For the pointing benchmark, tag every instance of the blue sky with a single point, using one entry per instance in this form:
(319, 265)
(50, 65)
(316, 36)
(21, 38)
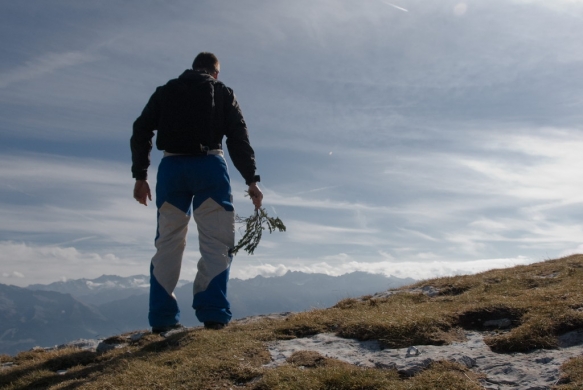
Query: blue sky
(403, 137)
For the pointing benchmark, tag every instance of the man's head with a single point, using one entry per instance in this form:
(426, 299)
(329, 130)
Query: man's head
(207, 62)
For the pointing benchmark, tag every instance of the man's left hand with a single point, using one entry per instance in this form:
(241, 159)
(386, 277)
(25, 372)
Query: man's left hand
(256, 195)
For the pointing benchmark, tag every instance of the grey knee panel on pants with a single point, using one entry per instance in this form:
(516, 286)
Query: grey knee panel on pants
(216, 234)
(172, 230)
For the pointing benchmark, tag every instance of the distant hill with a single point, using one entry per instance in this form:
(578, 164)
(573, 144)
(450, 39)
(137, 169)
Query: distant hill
(88, 308)
(298, 291)
(29, 318)
(105, 288)
(294, 291)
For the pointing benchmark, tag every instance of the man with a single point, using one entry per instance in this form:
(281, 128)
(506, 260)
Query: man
(192, 114)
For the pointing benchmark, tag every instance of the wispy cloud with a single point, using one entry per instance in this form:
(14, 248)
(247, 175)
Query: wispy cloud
(457, 139)
(310, 233)
(297, 201)
(316, 190)
(419, 234)
(34, 170)
(46, 63)
(83, 202)
(394, 6)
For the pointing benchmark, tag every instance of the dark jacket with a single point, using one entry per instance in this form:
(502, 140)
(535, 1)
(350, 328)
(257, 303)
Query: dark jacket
(191, 112)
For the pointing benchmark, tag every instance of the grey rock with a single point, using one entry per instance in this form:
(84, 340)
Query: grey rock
(415, 367)
(174, 331)
(571, 339)
(412, 351)
(465, 361)
(549, 276)
(544, 360)
(136, 336)
(84, 344)
(94, 345)
(386, 366)
(104, 347)
(430, 291)
(259, 317)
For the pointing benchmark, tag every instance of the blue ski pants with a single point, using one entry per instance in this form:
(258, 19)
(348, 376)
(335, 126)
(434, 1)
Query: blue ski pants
(197, 185)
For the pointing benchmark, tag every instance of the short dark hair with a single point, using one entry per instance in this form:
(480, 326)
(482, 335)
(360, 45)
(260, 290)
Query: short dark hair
(206, 61)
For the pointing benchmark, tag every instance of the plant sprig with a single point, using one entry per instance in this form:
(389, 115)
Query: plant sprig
(254, 230)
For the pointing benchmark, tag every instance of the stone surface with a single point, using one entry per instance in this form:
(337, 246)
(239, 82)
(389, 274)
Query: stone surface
(136, 336)
(83, 344)
(104, 347)
(535, 370)
(174, 331)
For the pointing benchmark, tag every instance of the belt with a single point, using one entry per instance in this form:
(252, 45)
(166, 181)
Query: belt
(215, 152)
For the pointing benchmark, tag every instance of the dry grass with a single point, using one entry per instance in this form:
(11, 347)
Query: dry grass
(572, 377)
(5, 358)
(539, 301)
(310, 370)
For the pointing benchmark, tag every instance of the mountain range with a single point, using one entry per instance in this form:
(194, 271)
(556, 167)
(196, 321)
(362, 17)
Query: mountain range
(92, 308)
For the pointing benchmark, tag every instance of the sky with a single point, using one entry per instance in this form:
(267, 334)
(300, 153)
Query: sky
(405, 137)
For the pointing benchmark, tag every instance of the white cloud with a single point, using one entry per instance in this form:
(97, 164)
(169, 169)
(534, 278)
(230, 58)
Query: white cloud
(443, 144)
(265, 270)
(521, 197)
(13, 274)
(572, 251)
(46, 264)
(412, 269)
(87, 205)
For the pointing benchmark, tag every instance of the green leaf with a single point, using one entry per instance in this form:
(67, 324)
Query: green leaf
(254, 226)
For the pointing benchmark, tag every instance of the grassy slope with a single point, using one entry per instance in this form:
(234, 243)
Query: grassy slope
(542, 300)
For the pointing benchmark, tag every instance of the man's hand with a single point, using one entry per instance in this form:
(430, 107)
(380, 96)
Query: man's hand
(142, 192)
(256, 195)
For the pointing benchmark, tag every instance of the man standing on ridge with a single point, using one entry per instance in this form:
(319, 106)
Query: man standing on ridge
(192, 114)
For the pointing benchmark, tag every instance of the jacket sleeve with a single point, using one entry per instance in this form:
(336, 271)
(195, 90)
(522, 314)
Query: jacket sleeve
(141, 140)
(238, 143)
